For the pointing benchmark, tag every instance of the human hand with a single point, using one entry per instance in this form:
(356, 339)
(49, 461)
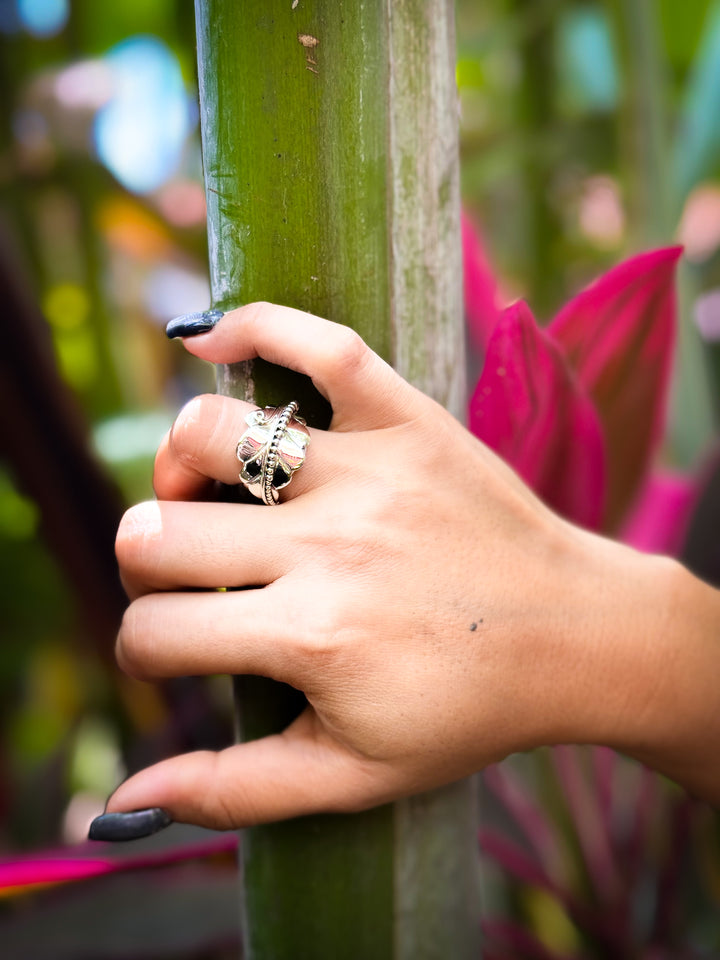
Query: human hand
(436, 615)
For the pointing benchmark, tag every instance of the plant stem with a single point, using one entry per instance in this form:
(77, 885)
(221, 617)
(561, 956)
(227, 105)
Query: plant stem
(330, 152)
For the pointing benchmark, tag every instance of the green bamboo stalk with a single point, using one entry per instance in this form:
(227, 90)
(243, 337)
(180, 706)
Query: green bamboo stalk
(330, 153)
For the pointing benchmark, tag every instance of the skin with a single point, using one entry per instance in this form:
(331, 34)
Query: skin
(436, 615)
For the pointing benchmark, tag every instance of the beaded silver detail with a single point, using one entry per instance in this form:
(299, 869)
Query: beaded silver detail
(271, 450)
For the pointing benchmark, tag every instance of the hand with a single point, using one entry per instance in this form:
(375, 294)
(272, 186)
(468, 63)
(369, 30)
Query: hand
(435, 614)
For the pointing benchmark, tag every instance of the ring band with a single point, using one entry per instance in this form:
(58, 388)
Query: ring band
(271, 450)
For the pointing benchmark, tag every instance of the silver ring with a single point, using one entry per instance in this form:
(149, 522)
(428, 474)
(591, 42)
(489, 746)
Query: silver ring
(271, 450)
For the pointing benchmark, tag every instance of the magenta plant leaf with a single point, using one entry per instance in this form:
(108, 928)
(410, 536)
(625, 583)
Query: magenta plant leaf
(593, 835)
(530, 409)
(480, 288)
(521, 866)
(20, 874)
(658, 519)
(539, 830)
(603, 762)
(518, 863)
(618, 335)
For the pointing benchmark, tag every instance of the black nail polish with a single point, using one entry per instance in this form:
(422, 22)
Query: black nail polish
(129, 826)
(191, 324)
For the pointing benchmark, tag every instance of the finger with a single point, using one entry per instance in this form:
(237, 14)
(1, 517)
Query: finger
(201, 447)
(169, 545)
(270, 632)
(298, 772)
(363, 390)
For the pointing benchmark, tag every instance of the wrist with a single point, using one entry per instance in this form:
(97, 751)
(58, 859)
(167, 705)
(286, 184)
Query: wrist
(679, 733)
(648, 665)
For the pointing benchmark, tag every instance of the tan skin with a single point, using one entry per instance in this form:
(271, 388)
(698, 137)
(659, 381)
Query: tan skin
(436, 615)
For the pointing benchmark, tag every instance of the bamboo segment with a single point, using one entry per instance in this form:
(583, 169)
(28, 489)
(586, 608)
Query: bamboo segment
(330, 154)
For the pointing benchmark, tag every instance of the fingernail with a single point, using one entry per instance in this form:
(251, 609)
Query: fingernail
(129, 826)
(191, 324)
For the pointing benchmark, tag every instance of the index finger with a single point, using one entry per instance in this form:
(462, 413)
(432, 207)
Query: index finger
(362, 389)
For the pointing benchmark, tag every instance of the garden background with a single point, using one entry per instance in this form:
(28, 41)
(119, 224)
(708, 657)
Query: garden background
(590, 131)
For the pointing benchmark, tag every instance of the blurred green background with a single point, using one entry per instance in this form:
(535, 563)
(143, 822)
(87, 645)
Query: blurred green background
(589, 130)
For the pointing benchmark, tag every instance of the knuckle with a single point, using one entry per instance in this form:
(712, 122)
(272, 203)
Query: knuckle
(349, 538)
(364, 786)
(360, 541)
(259, 313)
(259, 309)
(317, 639)
(354, 550)
(227, 804)
(350, 352)
(194, 429)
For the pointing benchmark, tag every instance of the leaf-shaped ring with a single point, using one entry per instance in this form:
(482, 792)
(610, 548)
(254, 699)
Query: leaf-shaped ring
(271, 450)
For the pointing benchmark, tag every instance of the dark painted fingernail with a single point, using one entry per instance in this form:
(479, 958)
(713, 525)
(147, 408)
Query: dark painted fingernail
(129, 826)
(191, 324)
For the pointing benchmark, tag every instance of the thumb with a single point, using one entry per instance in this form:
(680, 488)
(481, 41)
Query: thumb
(297, 772)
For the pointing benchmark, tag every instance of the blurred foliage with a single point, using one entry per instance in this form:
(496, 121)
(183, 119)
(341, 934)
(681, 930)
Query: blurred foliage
(589, 130)
(83, 89)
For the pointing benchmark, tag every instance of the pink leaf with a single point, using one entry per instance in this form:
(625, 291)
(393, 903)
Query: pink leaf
(530, 409)
(659, 518)
(618, 335)
(518, 863)
(585, 808)
(480, 288)
(543, 839)
(24, 873)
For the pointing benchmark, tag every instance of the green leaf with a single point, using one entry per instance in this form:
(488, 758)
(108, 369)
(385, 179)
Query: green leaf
(697, 146)
(681, 26)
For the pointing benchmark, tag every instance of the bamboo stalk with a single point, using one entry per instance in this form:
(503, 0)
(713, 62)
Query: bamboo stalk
(330, 152)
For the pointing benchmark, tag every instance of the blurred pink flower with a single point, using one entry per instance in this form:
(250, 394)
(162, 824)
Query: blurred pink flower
(699, 230)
